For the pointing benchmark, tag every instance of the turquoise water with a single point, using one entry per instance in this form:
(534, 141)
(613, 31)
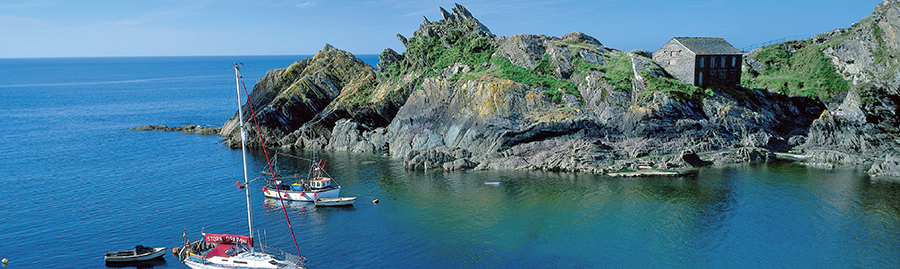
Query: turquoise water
(76, 183)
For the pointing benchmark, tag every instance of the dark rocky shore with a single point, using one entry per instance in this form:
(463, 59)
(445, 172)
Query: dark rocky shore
(460, 97)
(190, 129)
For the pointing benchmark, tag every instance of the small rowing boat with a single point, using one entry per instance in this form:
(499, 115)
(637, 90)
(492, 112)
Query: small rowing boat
(139, 253)
(339, 201)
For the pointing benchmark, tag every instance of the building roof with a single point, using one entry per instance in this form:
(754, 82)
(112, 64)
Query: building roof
(708, 45)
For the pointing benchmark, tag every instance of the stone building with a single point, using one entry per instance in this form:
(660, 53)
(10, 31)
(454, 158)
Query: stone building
(701, 61)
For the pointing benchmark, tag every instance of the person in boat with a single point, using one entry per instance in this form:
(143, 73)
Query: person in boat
(139, 249)
(278, 184)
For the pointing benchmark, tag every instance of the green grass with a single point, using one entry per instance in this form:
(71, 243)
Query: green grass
(617, 70)
(674, 88)
(534, 78)
(805, 72)
(433, 56)
(476, 52)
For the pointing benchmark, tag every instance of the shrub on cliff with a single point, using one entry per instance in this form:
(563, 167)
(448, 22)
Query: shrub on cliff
(796, 68)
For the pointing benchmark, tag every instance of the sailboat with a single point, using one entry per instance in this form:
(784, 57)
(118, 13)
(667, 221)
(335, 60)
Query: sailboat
(217, 251)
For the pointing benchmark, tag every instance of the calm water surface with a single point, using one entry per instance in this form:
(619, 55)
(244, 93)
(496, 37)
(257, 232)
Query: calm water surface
(76, 183)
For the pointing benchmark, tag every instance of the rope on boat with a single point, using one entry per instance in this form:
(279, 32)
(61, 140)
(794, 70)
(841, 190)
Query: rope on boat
(268, 162)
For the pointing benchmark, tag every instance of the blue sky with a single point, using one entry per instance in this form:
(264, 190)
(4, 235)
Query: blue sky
(92, 28)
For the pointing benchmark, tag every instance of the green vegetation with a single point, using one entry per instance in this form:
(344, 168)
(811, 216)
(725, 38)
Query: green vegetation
(797, 68)
(475, 51)
(535, 78)
(675, 88)
(881, 55)
(617, 70)
(360, 90)
(439, 52)
(429, 56)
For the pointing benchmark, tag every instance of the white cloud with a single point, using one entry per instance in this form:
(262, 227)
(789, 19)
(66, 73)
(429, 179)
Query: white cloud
(307, 4)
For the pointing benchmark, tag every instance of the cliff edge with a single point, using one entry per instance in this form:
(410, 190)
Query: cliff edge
(460, 97)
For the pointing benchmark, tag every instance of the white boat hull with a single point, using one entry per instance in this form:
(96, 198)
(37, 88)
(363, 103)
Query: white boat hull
(157, 252)
(270, 259)
(303, 196)
(339, 201)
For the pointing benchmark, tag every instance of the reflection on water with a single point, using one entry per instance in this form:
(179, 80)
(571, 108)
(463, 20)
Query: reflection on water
(746, 216)
(114, 189)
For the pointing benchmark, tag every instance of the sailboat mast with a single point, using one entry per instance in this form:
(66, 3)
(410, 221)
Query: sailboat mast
(237, 82)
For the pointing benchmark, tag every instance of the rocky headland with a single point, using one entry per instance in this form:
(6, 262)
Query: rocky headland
(460, 97)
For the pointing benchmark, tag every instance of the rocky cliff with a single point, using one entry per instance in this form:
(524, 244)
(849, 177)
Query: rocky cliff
(860, 124)
(460, 97)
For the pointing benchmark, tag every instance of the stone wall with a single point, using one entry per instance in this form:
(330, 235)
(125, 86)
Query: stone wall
(677, 60)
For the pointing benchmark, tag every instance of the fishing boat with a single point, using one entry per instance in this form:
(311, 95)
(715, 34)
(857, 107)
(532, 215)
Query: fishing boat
(139, 253)
(339, 201)
(317, 184)
(238, 251)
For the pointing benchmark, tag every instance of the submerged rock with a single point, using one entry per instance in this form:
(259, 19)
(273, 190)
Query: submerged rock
(189, 129)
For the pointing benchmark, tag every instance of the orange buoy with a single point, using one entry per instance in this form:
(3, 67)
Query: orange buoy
(175, 251)
(240, 186)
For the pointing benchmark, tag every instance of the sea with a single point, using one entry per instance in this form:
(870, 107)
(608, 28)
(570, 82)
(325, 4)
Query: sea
(75, 182)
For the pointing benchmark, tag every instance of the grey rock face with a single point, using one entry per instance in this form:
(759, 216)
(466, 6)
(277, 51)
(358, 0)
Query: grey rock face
(334, 102)
(889, 168)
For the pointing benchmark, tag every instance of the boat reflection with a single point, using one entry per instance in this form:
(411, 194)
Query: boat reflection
(138, 264)
(275, 204)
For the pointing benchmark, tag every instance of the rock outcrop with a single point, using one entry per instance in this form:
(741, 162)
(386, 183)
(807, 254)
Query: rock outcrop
(862, 126)
(460, 97)
(189, 129)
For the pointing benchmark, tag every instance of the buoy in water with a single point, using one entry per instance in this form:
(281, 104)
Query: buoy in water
(175, 251)
(375, 201)
(5, 261)
(240, 186)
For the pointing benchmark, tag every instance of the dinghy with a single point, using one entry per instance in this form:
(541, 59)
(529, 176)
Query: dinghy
(139, 253)
(339, 201)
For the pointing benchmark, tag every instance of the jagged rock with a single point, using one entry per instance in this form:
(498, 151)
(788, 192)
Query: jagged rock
(580, 37)
(524, 50)
(765, 140)
(426, 159)
(287, 99)
(830, 158)
(890, 167)
(691, 158)
(831, 132)
(388, 57)
(459, 164)
(430, 116)
(351, 136)
(457, 68)
(403, 40)
(796, 140)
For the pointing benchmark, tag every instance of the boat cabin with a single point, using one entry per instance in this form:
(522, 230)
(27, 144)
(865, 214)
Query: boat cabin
(320, 183)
